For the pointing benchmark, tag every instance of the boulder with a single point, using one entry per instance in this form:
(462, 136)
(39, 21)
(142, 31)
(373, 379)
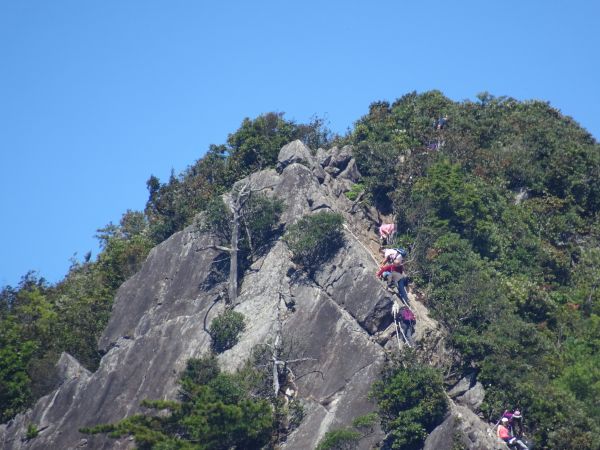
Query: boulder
(473, 398)
(463, 385)
(463, 429)
(351, 172)
(68, 368)
(294, 152)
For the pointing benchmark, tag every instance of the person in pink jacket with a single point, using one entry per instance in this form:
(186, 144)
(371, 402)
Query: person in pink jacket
(386, 233)
(504, 434)
(515, 422)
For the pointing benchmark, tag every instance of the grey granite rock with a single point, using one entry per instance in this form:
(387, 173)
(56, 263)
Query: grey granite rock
(465, 383)
(159, 317)
(463, 427)
(473, 398)
(294, 152)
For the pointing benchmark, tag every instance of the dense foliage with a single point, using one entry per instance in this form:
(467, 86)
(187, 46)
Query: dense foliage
(315, 238)
(217, 411)
(501, 209)
(411, 403)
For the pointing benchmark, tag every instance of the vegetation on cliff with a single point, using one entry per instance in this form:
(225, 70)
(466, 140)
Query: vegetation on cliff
(500, 209)
(216, 411)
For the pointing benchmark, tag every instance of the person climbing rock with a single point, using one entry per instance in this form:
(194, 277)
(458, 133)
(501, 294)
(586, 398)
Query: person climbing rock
(441, 123)
(389, 255)
(395, 272)
(407, 322)
(515, 422)
(506, 436)
(387, 232)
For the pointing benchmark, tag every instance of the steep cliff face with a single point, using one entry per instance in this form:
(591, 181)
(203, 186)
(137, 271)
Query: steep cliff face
(339, 325)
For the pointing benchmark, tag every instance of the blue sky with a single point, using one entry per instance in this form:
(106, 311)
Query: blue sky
(96, 96)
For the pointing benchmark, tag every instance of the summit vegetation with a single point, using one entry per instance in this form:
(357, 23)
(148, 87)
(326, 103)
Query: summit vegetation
(500, 209)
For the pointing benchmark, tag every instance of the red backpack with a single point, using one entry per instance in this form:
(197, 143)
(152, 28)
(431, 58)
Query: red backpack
(407, 315)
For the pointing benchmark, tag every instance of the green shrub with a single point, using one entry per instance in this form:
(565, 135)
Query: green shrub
(314, 239)
(32, 431)
(258, 225)
(217, 411)
(411, 402)
(366, 423)
(343, 439)
(355, 191)
(348, 438)
(260, 218)
(225, 330)
(200, 371)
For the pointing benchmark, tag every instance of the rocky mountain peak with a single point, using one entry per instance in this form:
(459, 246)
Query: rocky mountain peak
(340, 322)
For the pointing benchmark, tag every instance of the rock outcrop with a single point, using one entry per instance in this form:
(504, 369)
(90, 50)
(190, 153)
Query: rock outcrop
(160, 316)
(462, 428)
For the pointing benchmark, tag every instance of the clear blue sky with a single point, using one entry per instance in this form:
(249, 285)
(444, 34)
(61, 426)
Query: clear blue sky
(95, 96)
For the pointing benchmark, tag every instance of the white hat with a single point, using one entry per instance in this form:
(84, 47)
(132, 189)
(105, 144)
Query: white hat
(504, 419)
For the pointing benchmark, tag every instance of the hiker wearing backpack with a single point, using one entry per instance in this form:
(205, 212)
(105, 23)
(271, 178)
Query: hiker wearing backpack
(504, 434)
(407, 322)
(390, 254)
(395, 272)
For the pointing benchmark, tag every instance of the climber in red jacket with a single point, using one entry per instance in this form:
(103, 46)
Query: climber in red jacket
(395, 271)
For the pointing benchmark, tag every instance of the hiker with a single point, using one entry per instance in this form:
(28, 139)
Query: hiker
(433, 145)
(395, 272)
(386, 233)
(407, 322)
(389, 255)
(506, 436)
(441, 123)
(515, 420)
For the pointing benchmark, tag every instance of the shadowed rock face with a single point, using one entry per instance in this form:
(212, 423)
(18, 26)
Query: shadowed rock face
(159, 318)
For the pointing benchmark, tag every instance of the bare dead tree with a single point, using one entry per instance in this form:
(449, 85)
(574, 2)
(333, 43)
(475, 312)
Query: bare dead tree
(277, 354)
(236, 202)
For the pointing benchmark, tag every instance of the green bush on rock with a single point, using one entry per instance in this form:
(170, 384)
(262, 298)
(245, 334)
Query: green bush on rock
(225, 330)
(315, 238)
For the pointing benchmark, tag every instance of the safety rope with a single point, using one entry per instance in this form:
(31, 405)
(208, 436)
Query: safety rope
(395, 314)
(360, 242)
(417, 315)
